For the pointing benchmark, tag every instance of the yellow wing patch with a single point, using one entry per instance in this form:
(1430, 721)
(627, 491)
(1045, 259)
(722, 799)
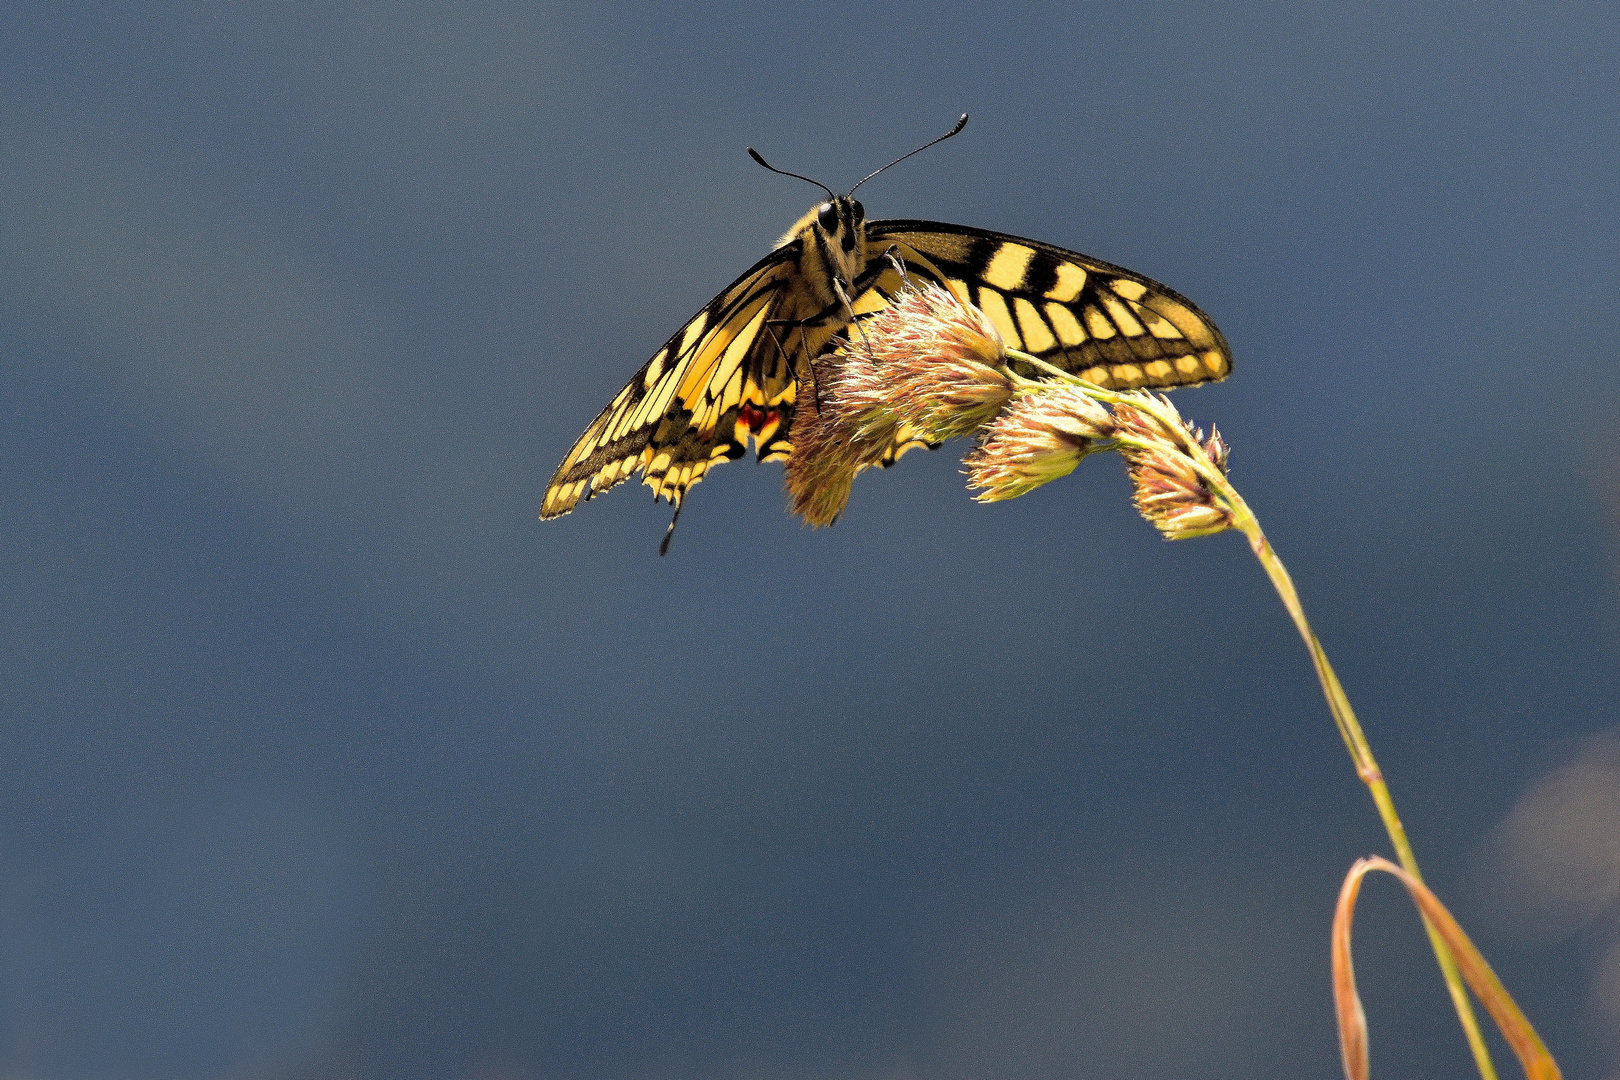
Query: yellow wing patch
(1107, 324)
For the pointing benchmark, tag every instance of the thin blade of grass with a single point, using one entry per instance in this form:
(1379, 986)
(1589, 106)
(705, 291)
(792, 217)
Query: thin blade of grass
(1532, 1053)
(1346, 1002)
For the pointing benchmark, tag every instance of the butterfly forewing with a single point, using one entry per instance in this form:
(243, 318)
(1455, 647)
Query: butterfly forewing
(1106, 324)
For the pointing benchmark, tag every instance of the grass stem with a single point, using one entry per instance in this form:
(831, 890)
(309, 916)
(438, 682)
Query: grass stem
(1338, 703)
(1366, 765)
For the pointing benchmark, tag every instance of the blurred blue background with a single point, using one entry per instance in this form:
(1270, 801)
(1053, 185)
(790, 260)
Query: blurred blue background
(320, 757)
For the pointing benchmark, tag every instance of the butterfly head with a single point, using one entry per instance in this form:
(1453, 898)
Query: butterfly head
(841, 219)
(838, 226)
(836, 230)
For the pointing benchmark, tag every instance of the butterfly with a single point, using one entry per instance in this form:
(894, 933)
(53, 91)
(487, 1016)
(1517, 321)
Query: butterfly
(733, 374)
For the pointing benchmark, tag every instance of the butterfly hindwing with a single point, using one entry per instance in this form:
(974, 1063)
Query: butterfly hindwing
(1108, 325)
(723, 378)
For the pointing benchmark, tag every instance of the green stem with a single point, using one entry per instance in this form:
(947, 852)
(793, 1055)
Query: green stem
(1366, 766)
(1344, 716)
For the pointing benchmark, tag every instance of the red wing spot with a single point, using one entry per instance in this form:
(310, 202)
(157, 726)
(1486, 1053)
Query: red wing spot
(755, 418)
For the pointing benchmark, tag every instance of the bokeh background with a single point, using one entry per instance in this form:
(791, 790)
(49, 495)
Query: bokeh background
(322, 758)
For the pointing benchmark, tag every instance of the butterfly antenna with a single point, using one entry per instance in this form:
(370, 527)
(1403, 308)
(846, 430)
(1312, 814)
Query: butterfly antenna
(960, 124)
(755, 155)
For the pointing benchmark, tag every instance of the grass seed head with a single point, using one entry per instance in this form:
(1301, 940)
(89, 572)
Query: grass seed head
(924, 369)
(1169, 490)
(1040, 437)
(926, 361)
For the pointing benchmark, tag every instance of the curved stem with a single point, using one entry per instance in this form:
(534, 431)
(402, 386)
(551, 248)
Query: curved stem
(1338, 702)
(1366, 766)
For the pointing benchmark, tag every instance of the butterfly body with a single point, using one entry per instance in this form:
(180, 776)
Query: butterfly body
(733, 374)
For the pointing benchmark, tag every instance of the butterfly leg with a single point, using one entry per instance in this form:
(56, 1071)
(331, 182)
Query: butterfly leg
(849, 309)
(815, 383)
(669, 533)
(815, 376)
(892, 256)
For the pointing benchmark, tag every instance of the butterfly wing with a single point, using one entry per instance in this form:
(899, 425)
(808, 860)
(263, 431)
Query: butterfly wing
(725, 377)
(1108, 325)
(729, 374)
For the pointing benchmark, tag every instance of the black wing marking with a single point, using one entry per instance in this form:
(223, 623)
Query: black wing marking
(1109, 325)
